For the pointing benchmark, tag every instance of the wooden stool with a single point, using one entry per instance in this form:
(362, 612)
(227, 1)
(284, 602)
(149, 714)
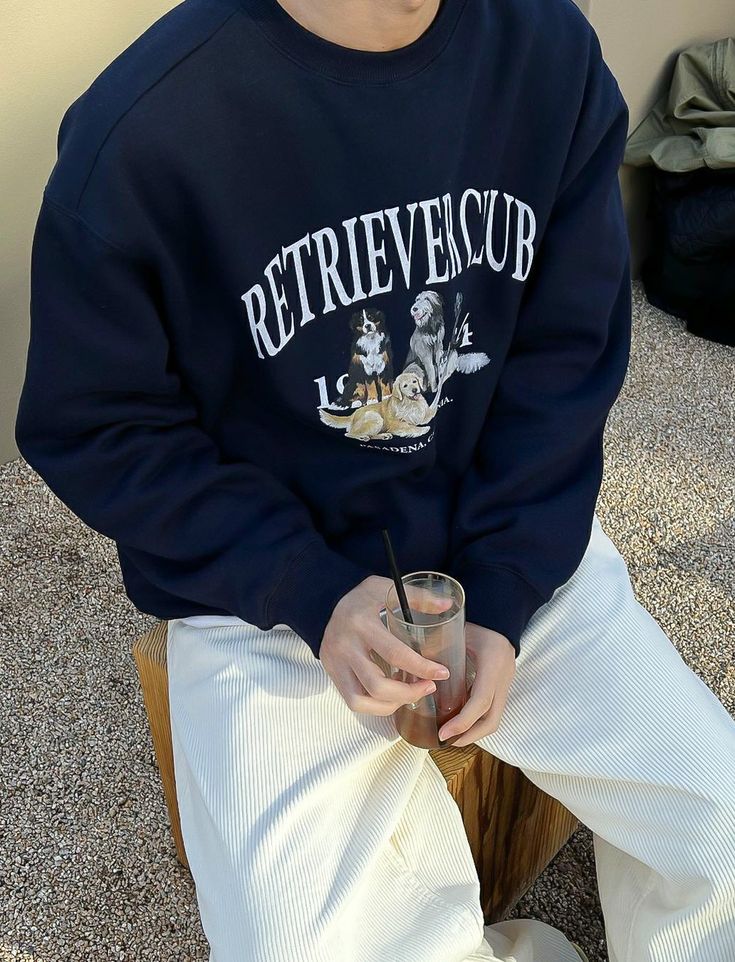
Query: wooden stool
(514, 829)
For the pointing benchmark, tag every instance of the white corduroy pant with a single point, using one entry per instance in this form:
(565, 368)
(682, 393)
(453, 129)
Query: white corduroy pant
(316, 834)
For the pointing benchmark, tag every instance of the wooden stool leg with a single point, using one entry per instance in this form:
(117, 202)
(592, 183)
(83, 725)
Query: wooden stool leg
(514, 829)
(149, 652)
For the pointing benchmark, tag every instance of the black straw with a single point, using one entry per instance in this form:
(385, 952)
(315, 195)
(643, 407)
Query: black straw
(397, 579)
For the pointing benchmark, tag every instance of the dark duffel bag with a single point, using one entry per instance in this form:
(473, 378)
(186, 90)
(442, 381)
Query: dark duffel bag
(690, 271)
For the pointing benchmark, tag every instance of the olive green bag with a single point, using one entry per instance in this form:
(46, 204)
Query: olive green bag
(693, 126)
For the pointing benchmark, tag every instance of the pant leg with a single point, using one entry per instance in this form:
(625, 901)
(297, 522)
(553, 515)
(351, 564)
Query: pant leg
(606, 716)
(314, 833)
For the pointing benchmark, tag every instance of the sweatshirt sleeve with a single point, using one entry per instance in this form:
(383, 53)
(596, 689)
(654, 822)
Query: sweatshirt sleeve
(106, 421)
(526, 505)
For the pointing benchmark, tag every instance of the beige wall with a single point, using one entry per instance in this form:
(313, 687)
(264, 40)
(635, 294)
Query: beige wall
(52, 51)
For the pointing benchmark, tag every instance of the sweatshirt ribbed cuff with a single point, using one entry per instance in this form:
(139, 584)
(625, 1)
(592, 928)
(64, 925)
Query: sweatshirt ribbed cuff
(309, 589)
(498, 599)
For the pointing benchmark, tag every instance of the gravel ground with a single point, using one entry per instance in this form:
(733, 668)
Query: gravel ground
(87, 864)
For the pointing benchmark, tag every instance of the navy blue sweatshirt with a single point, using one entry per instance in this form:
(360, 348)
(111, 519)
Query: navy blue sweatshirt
(285, 293)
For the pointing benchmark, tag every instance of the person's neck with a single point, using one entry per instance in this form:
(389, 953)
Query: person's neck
(364, 24)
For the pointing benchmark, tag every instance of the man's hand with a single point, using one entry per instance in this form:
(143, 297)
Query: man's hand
(354, 629)
(494, 658)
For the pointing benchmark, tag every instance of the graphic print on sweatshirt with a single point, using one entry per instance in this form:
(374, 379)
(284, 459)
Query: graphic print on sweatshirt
(384, 382)
(391, 405)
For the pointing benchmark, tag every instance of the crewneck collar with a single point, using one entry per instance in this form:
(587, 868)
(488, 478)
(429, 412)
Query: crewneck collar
(348, 64)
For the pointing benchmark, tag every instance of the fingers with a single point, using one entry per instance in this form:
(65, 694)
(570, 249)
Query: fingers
(477, 705)
(358, 651)
(494, 661)
(400, 655)
(386, 689)
(485, 725)
(474, 722)
(354, 694)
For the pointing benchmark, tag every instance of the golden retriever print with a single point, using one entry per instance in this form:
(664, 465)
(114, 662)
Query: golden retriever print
(404, 414)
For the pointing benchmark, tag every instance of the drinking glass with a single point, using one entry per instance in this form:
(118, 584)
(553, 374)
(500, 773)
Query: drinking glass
(438, 635)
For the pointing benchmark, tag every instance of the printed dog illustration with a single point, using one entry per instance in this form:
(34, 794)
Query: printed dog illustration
(405, 413)
(426, 346)
(370, 374)
(427, 353)
(384, 407)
